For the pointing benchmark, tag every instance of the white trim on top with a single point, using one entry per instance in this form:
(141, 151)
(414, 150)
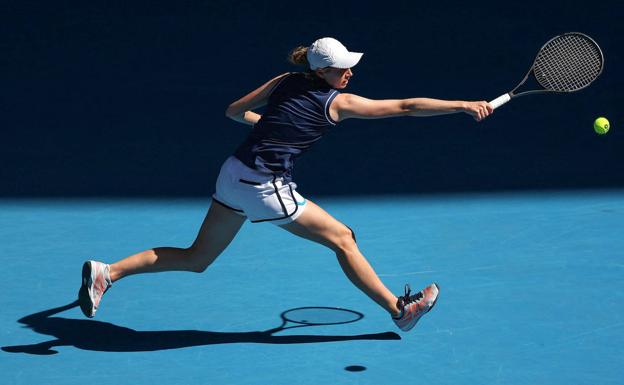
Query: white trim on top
(331, 97)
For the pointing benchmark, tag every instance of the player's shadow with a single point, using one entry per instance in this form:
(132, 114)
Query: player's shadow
(107, 337)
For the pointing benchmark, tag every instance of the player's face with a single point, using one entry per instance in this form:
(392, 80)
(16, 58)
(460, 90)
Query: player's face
(336, 77)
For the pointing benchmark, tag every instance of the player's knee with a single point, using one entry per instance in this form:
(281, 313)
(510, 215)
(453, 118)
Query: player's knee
(352, 234)
(198, 260)
(346, 239)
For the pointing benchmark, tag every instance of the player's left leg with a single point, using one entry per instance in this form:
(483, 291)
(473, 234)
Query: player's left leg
(217, 231)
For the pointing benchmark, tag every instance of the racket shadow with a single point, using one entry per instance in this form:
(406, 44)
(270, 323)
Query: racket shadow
(108, 337)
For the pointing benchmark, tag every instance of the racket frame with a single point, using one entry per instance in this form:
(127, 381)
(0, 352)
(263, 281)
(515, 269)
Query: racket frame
(504, 98)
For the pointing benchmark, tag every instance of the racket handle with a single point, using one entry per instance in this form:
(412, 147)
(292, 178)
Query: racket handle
(499, 101)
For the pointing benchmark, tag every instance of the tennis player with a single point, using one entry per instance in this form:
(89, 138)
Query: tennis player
(255, 183)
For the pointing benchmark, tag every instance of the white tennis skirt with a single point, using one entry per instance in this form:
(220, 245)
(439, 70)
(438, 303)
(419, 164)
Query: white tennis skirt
(258, 196)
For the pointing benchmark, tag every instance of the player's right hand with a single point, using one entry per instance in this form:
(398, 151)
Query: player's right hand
(478, 110)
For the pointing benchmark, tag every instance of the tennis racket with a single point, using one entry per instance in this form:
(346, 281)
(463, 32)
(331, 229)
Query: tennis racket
(566, 63)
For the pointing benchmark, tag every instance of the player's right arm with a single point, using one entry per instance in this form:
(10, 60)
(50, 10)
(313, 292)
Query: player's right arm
(346, 106)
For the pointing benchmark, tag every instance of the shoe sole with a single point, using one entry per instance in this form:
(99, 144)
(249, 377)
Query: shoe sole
(84, 299)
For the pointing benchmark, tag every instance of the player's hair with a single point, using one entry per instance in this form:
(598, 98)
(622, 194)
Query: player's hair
(298, 56)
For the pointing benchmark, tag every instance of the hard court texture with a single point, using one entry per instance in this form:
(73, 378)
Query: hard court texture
(531, 293)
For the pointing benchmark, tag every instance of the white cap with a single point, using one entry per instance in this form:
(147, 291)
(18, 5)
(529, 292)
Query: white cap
(329, 52)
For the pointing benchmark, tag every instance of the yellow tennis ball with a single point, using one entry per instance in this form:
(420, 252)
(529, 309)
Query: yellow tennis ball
(601, 126)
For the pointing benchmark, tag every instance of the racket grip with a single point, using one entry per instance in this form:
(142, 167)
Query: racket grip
(499, 101)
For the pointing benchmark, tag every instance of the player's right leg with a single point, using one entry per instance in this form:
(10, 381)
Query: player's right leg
(319, 226)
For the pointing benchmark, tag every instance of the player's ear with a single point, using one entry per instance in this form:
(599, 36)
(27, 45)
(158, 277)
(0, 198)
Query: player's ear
(320, 72)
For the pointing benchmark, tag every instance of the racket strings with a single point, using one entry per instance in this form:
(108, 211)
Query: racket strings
(571, 70)
(568, 63)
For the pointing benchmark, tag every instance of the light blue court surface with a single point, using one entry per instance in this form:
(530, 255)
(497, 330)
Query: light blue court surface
(532, 292)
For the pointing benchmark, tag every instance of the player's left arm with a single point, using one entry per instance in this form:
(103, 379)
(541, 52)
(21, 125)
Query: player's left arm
(347, 106)
(241, 110)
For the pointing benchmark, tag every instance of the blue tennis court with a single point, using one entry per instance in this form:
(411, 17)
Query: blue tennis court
(531, 293)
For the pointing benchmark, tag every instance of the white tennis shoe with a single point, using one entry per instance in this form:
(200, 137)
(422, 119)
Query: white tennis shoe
(95, 281)
(415, 306)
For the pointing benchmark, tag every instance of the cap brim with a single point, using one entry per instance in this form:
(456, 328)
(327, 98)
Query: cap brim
(349, 60)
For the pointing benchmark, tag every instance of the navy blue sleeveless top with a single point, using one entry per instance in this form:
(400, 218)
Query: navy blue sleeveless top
(296, 116)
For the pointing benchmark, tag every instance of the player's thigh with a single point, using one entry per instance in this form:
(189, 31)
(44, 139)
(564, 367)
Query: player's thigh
(319, 226)
(220, 226)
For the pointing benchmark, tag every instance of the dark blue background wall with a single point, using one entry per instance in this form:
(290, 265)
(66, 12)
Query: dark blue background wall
(103, 99)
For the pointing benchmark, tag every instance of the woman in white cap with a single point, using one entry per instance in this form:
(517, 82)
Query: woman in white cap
(256, 182)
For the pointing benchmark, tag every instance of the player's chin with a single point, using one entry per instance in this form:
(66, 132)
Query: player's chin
(343, 84)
